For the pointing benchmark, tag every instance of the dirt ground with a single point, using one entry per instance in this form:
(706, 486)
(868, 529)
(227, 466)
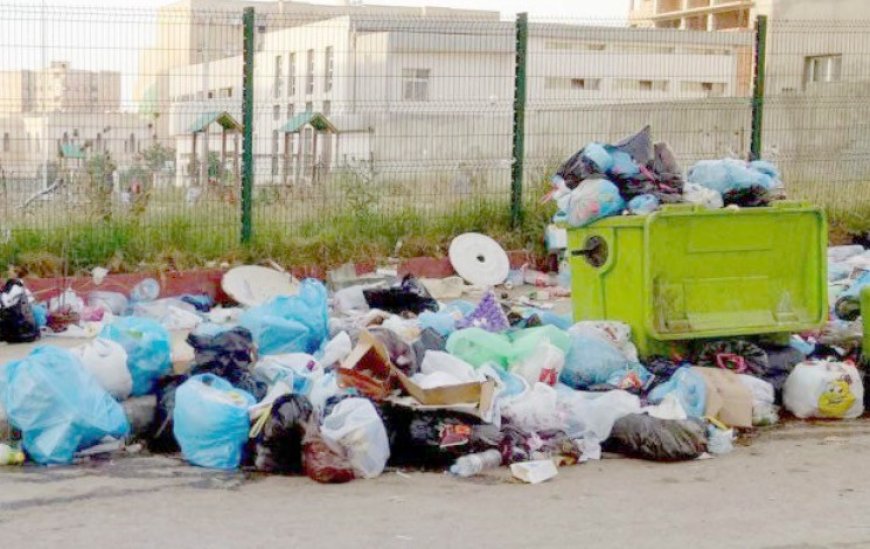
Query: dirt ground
(801, 485)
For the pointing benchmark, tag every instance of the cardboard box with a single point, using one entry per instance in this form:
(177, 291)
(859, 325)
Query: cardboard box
(368, 368)
(475, 399)
(728, 399)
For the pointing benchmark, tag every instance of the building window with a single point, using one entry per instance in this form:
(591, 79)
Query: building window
(132, 142)
(329, 63)
(309, 72)
(627, 84)
(415, 84)
(291, 110)
(327, 108)
(279, 75)
(291, 74)
(276, 112)
(75, 132)
(585, 83)
(710, 89)
(822, 68)
(309, 107)
(225, 93)
(7, 143)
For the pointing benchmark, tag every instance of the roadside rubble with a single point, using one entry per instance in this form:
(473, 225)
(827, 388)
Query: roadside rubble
(451, 374)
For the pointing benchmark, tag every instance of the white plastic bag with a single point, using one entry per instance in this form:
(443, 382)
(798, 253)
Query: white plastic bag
(616, 333)
(543, 364)
(440, 369)
(696, 194)
(107, 360)
(336, 349)
(825, 390)
(764, 411)
(592, 415)
(355, 429)
(535, 410)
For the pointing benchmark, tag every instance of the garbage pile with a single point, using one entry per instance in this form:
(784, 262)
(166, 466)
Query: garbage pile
(637, 176)
(340, 386)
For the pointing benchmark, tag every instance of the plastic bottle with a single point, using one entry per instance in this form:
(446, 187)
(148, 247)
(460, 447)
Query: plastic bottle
(147, 290)
(10, 456)
(473, 464)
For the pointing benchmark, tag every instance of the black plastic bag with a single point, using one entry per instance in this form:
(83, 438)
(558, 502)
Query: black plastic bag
(228, 355)
(17, 323)
(408, 297)
(278, 447)
(433, 440)
(162, 440)
(402, 355)
(643, 436)
(742, 357)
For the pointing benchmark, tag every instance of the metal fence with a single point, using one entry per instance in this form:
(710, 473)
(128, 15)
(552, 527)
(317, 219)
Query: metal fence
(120, 119)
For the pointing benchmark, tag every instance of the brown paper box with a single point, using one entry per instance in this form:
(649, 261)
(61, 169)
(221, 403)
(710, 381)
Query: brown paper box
(728, 400)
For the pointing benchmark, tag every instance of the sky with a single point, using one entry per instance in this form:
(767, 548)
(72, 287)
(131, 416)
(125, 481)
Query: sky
(110, 36)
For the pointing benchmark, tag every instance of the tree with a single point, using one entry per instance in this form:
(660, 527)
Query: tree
(99, 169)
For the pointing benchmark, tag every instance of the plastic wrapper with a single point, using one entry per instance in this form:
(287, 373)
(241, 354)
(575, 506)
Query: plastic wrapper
(210, 421)
(290, 324)
(148, 350)
(59, 406)
(647, 437)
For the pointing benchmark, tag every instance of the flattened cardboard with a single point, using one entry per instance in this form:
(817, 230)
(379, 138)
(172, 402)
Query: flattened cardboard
(728, 399)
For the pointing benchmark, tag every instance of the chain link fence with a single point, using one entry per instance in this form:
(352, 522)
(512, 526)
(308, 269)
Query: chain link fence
(123, 130)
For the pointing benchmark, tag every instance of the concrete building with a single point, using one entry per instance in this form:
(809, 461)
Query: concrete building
(59, 88)
(405, 89)
(28, 140)
(190, 32)
(708, 15)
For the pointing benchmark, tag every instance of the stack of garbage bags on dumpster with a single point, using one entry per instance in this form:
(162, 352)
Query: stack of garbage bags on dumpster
(636, 176)
(337, 389)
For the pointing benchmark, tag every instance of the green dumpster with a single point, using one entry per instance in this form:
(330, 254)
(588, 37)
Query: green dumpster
(686, 272)
(865, 314)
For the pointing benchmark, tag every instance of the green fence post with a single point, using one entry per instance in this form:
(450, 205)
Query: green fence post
(519, 120)
(758, 87)
(248, 126)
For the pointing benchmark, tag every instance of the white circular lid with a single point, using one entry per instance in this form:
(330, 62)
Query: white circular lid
(479, 259)
(252, 285)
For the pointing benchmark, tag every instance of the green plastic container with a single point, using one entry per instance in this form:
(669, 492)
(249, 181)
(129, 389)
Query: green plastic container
(686, 272)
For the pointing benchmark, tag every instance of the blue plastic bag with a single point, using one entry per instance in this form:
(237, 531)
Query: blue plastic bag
(733, 175)
(643, 204)
(690, 390)
(591, 361)
(149, 353)
(291, 324)
(594, 199)
(58, 405)
(210, 421)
